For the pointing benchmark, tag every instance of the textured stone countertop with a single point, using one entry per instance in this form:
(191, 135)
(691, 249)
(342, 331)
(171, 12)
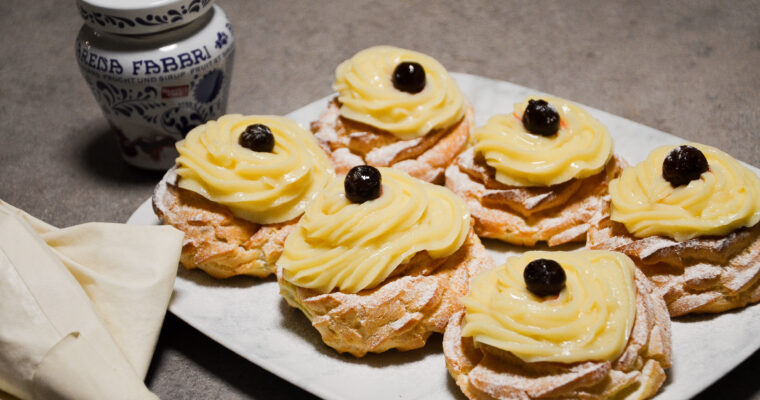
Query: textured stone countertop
(685, 67)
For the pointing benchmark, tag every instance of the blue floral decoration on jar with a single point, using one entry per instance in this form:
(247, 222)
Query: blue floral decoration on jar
(221, 40)
(168, 16)
(209, 86)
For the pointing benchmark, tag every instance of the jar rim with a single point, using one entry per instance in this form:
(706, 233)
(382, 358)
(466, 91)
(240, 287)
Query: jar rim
(140, 17)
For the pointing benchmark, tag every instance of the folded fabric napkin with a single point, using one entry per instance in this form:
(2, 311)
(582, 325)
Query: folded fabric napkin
(81, 307)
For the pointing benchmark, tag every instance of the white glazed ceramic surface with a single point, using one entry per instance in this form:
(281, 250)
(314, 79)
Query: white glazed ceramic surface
(153, 89)
(248, 316)
(140, 17)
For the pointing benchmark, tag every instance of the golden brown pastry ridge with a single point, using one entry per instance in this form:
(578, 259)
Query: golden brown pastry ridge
(402, 312)
(215, 240)
(525, 215)
(484, 372)
(701, 275)
(349, 143)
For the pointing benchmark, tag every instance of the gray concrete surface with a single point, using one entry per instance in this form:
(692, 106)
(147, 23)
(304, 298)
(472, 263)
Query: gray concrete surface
(685, 67)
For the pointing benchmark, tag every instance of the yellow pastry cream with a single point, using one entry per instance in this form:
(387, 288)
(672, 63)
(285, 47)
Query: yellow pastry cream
(724, 198)
(580, 148)
(262, 187)
(366, 93)
(590, 319)
(356, 246)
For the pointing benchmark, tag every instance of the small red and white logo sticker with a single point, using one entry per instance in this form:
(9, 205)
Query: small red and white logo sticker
(172, 92)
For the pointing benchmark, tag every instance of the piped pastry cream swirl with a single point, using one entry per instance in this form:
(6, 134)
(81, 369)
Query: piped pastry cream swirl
(580, 148)
(723, 199)
(367, 95)
(351, 247)
(262, 187)
(590, 319)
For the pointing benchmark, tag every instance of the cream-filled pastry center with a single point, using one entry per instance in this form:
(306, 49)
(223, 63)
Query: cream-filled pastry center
(349, 246)
(262, 187)
(367, 94)
(581, 147)
(723, 199)
(590, 319)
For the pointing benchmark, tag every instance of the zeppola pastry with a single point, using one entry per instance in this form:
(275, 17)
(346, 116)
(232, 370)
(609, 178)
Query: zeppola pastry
(560, 325)
(395, 108)
(538, 174)
(688, 216)
(239, 185)
(379, 261)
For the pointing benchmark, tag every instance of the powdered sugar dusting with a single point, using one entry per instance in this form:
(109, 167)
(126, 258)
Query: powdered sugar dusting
(161, 196)
(324, 128)
(564, 223)
(382, 156)
(704, 274)
(349, 144)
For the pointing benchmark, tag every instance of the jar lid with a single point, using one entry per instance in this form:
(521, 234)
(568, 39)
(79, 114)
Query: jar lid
(139, 17)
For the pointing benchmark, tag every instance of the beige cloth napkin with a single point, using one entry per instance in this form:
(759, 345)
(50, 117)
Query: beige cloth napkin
(81, 307)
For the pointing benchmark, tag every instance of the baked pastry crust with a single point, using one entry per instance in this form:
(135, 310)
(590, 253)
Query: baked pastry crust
(402, 312)
(215, 240)
(556, 214)
(485, 372)
(349, 143)
(706, 274)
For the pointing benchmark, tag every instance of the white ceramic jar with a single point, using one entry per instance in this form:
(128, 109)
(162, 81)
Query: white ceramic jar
(157, 68)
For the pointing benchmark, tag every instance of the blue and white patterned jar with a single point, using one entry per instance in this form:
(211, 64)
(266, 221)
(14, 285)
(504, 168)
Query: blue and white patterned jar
(157, 70)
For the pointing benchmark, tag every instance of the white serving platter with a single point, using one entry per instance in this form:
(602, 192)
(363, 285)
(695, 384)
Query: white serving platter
(248, 316)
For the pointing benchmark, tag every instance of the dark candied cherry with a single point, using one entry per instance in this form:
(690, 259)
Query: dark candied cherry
(362, 183)
(683, 164)
(257, 137)
(544, 277)
(540, 118)
(409, 77)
